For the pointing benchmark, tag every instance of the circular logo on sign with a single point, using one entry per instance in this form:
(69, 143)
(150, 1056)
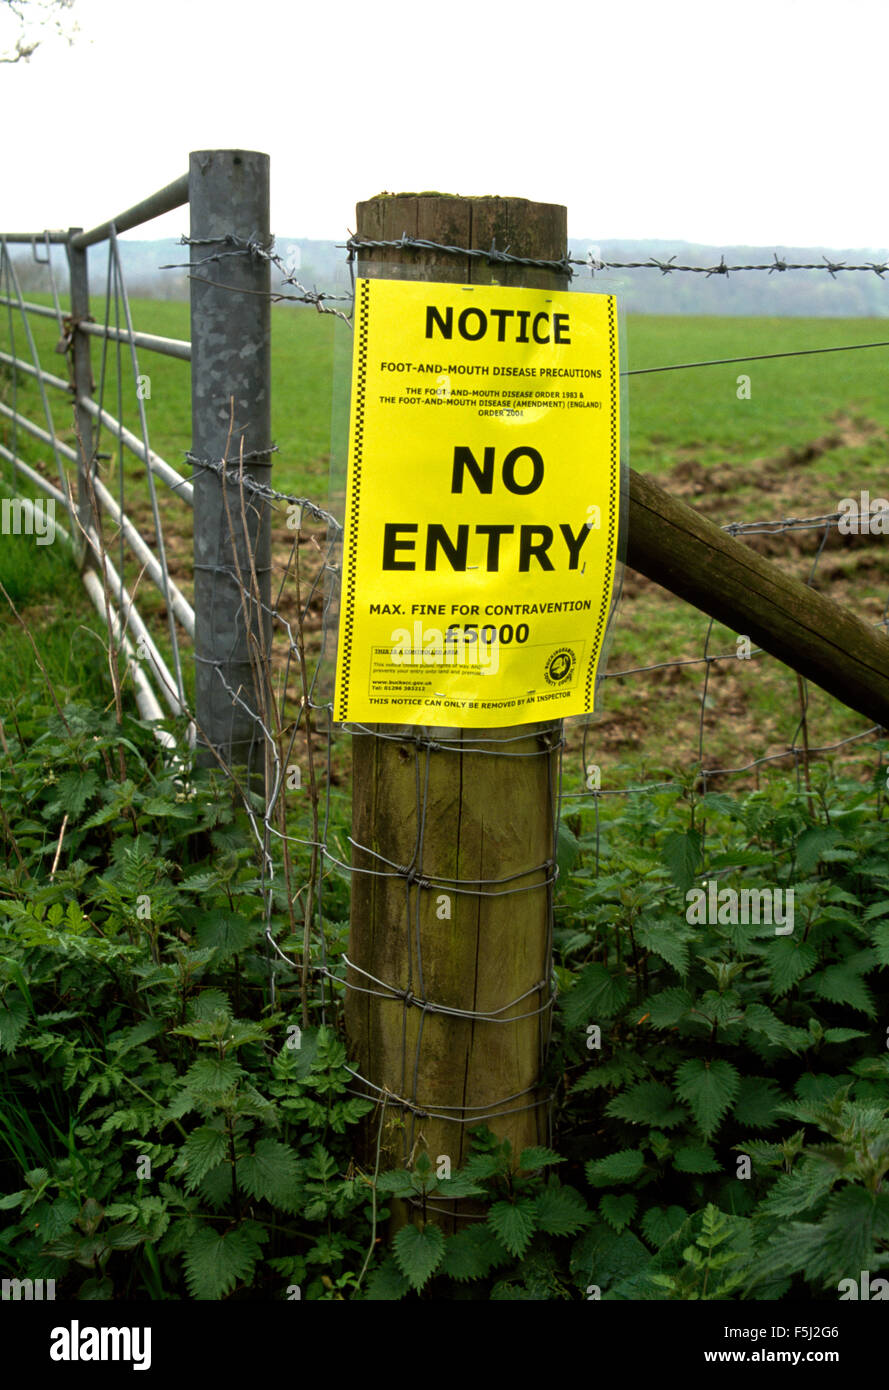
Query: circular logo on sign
(560, 666)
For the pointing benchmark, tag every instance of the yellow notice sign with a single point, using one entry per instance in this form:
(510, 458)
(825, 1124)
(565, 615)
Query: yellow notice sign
(481, 505)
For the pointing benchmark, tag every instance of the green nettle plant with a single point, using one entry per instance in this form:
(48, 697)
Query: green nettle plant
(172, 1127)
(698, 1051)
(519, 1250)
(164, 1131)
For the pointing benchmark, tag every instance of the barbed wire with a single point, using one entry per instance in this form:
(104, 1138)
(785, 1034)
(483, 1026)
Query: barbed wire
(667, 267)
(252, 247)
(263, 490)
(864, 523)
(564, 265)
(257, 250)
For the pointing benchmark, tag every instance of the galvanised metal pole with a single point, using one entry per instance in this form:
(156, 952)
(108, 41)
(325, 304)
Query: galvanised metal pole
(83, 382)
(231, 396)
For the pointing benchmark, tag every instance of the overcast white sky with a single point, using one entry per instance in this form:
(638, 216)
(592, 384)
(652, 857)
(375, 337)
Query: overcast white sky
(756, 121)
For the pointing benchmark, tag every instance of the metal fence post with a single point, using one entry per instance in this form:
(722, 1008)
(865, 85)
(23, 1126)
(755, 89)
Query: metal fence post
(231, 398)
(83, 381)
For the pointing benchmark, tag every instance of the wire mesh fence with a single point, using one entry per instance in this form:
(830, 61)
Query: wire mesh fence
(703, 708)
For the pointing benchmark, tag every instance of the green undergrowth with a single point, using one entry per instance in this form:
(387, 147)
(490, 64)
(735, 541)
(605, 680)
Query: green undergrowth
(177, 1117)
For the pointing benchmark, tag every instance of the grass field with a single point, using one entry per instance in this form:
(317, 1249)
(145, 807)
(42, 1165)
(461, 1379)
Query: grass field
(813, 430)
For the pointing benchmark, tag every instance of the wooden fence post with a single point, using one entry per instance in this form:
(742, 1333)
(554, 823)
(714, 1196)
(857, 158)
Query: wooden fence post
(478, 806)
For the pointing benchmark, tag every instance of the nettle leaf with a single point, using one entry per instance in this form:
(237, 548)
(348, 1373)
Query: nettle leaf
(567, 849)
(812, 844)
(722, 802)
(790, 1250)
(74, 790)
(472, 1253)
(129, 1038)
(209, 1078)
(13, 1019)
(216, 1186)
(624, 1166)
(208, 1004)
(841, 1035)
(215, 1263)
(696, 1158)
(211, 1028)
(787, 961)
(228, 932)
(124, 1236)
(397, 1183)
(843, 985)
(270, 1171)
(880, 941)
(200, 883)
(561, 1211)
(648, 1103)
(240, 1032)
(482, 1165)
(105, 813)
(709, 1088)
(418, 1253)
(803, 1188)
(387, 1284)
(59, 1217)
(758, 1102)
(660, 1223)
(457, 1186)
(665, 940)
(203, 1149)
(161, 808)
(816, 1090)
(537, 1157)
(612, 1073)
(600, 1256)
(759, 1019)
(668, 1007)
(504, 1292)
(682, 854)
(764, 1154)
(618, 1211)
(514, 1223)
(597, 995)
(854, 1221)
